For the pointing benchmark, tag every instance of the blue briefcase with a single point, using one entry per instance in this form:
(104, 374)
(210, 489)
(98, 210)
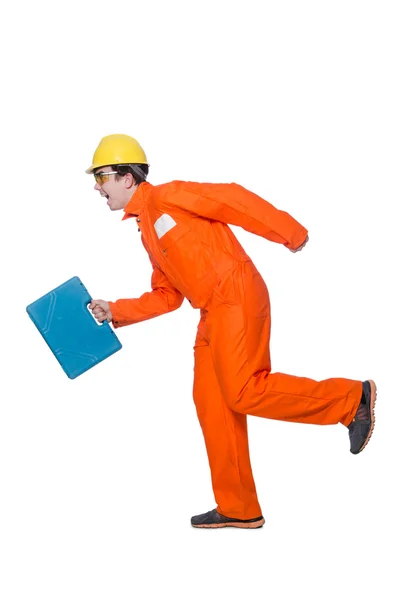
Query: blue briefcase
(77, 341)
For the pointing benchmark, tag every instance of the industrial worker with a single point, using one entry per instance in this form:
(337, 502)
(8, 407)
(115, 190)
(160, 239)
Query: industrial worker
(195, 255)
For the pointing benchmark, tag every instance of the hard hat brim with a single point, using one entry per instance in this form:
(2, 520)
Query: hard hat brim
(92, 168)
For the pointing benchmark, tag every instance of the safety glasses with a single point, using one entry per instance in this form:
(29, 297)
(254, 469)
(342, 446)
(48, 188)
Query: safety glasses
(103, 176)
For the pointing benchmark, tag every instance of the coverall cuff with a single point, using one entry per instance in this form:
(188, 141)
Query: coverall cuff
(117, 320)
(297, 241)
(353, 399)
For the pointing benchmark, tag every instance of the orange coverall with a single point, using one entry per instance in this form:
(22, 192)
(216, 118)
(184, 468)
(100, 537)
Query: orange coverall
(195, 255)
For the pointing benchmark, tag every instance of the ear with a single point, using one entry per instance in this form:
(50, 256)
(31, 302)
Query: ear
(129, 180)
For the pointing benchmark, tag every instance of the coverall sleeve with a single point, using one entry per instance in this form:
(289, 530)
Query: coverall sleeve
(233, 204)
(162, 299)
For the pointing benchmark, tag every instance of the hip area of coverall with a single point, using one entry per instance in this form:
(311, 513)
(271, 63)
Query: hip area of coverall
(241, 288)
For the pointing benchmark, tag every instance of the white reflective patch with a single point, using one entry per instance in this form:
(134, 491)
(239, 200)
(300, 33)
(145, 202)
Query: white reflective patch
(164, 224)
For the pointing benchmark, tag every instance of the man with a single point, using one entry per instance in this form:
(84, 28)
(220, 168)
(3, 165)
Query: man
(195, 255)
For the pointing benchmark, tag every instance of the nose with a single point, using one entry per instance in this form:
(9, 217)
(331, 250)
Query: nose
(97, 187)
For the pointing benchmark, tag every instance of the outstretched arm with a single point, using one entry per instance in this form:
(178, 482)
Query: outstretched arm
(233, 204)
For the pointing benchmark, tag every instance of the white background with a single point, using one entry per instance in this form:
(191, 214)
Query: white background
(100, 475)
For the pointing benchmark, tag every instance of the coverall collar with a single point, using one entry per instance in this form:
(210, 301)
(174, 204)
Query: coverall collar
(138, 200)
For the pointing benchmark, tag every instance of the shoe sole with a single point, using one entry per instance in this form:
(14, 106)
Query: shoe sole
(254, 525)
(372, 412)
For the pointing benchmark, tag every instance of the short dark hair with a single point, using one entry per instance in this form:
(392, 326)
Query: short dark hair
(139, 172)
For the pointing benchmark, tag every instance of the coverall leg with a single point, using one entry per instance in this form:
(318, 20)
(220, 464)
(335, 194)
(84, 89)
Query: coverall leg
(237, 327)
(225, 436)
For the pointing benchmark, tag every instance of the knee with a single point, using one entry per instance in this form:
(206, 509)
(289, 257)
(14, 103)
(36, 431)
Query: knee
(233, 402)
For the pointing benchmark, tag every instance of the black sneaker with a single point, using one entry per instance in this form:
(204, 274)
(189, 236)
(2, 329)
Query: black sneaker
(213, 519)
(362, 426)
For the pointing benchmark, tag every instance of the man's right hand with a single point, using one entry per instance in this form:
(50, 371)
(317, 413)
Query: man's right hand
(101, 310)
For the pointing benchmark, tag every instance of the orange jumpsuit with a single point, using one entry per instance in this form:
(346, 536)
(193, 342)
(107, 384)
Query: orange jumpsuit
(195, 255)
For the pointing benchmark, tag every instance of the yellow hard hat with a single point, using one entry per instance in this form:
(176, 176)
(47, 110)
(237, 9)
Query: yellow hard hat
(117, 149)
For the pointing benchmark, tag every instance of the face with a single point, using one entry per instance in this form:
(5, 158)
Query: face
(118, 192)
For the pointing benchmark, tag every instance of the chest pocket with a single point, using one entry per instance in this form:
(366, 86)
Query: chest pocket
(163, 225)
(167, 231)
(186, 260)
